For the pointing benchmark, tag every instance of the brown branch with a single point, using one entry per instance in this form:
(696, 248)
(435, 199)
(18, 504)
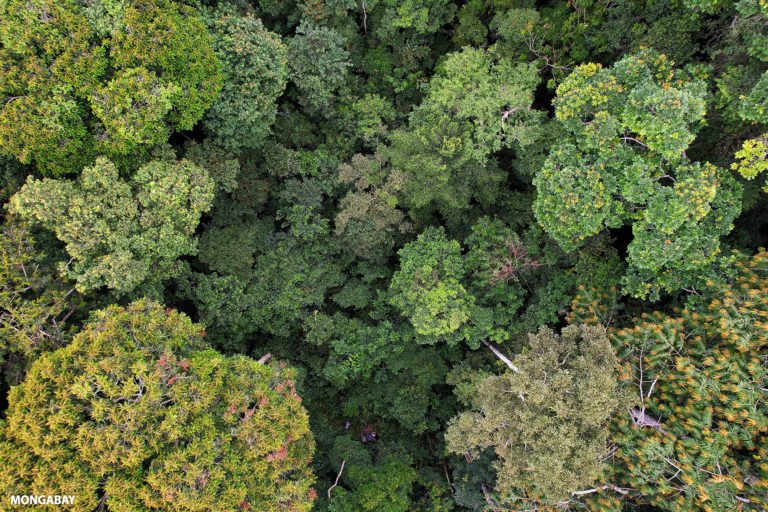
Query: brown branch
(445, 469)
(263, 359)
(488, 498)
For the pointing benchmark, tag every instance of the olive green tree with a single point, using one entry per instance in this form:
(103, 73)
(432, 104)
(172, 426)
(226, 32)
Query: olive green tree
(546, 417)
(138, 414)
(121, 234)
(81, 81)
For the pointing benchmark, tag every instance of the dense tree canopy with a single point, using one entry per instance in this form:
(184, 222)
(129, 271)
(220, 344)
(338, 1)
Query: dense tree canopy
(546, 417)
(384, 255)
(107, 79)
(138, 413)
(119, 234)
(624, 161)
(254, 75)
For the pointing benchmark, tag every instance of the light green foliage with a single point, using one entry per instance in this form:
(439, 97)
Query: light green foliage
(478, 88)
(121, 234)
(39, 121)
(372, 115)
(702, 376)
(548, 424)
(427, 288)
(752, 158)
(705, 5)
(383, 487)
(754, 106)
(476, 105)
(172, 38)
(133, 106)
(138, 411)
(255, 72)
(623, 161)
(318, 65)
(425, 17)
(114, 80)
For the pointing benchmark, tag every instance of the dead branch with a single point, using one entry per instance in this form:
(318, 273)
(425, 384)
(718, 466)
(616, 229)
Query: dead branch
(341, 470)
(504, 359)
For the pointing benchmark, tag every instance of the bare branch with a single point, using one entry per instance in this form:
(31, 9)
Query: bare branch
(341, 470)
(504, 359)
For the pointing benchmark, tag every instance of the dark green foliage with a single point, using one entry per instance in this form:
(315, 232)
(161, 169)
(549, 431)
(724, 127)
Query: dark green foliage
(525, 280)
(369, 221)
(318, 65)
(254, 73)
(355, 348)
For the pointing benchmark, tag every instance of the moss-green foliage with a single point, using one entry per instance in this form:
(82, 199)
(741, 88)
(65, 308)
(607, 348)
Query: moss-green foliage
(121, 234)
(254, 75)
(427, 287)
(368, 220)
(80, 81)
(139, 414)
(477, 104)
(548, 422)
(318, 65)
(624, 162)
(221, 165)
